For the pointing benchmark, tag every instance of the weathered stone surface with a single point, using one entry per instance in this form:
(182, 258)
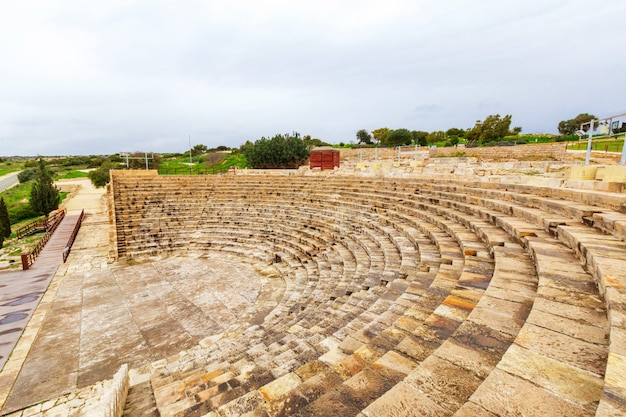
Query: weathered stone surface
(572, 383)
(443, 382)
(584, 355)
(404, 400)
(501, 392)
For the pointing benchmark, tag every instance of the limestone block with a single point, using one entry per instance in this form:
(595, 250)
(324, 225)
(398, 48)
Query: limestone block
(583, 173)
(615, 173)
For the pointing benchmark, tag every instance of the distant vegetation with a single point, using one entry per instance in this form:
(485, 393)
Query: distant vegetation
(280, 151)
(44, 195)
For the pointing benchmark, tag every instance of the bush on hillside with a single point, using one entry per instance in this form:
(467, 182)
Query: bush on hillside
(27, 175)
(281, 151)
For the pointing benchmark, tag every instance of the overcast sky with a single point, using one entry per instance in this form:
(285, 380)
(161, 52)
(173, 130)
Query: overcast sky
(101, 77)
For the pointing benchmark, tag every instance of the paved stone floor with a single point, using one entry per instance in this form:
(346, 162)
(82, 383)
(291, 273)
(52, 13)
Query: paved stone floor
(105, 317)
(97, 315)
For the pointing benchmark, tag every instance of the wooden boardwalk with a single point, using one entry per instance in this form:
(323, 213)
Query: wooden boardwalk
(21, 291)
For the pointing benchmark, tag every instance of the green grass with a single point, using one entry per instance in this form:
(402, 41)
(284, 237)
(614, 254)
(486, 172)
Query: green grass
(17, 202)
(602, 146)
(16, 198)
(530, 139)
(7, 167)
(236, 160)
(65, 175)
(179, 165)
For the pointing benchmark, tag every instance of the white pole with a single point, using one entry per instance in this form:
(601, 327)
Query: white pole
(398, 154)
(623, 160)
(146, 160)
(588, 157)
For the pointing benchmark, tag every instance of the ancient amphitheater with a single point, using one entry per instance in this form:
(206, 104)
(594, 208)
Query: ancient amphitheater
(443, 287)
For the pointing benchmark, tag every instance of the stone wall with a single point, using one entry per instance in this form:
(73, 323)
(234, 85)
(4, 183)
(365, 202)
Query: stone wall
(544, 151)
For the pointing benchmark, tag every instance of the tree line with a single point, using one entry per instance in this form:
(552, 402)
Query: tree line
(492, 129)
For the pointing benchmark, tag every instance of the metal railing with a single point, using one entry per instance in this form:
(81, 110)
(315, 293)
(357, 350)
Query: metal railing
(28, 258)
(70, 241)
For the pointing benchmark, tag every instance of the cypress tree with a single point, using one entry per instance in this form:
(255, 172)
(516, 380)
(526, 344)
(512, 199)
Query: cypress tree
(5, 223)
(44, 196)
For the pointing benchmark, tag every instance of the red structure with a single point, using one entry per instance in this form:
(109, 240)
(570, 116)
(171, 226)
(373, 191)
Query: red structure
(324, 158)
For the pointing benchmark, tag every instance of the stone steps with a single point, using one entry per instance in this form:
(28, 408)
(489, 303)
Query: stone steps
(396, 288)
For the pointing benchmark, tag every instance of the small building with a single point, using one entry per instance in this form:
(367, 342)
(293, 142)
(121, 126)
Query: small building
(324, 157)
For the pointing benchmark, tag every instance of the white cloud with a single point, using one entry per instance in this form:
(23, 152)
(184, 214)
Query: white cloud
(100, 77)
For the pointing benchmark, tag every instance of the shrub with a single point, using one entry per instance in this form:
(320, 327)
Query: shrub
(281, 151)
(27, 175)
(100, 177)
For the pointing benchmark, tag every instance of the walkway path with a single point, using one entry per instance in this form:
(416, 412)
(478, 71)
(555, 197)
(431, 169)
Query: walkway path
(22, 291)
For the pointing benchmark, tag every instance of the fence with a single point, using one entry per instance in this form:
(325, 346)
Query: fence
(194, 171)
(28, 258)
(39, 225)
(70, 241)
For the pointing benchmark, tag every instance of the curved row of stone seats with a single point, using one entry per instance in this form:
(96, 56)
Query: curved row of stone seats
(526, 226)
(435, 208)
(603, 255)
(451, 215)
(611, 388)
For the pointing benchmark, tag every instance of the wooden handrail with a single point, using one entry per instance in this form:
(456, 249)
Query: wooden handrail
(70, 241)
(39, 225)
(28, 258)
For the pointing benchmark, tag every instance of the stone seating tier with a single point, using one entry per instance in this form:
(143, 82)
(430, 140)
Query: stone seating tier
(392, 289)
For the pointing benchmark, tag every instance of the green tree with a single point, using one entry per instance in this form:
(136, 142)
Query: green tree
(199, 149)
(419, 137)
(493, 128)
(5, 222)
(398, 137)
(364, 137)
(569, 127)
(281, 151)
(44, 196)
(436, 136)
(100, 177)
(380, 134)
(455, 132)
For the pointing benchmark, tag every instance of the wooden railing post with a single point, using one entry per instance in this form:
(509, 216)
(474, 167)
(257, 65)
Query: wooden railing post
(25, 264)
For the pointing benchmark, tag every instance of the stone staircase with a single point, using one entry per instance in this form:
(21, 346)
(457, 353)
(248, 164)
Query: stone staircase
(414, 296)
